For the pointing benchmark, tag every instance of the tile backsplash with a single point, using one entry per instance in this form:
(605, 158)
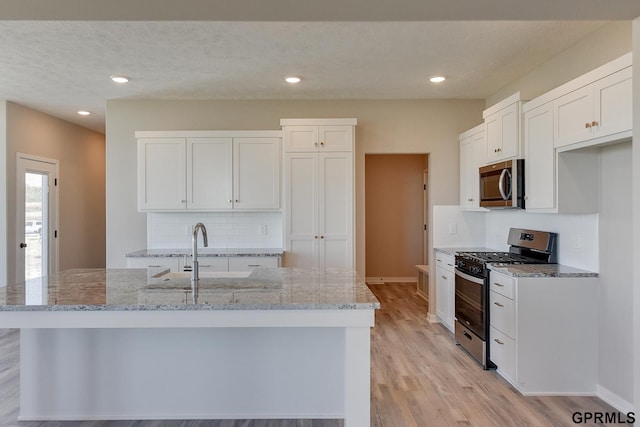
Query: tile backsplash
(168, 230)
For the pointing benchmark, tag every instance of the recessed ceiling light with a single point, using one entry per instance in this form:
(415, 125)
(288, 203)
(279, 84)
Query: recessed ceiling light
(84, 112)
(437, 79)
(292, 79)
(120, 79)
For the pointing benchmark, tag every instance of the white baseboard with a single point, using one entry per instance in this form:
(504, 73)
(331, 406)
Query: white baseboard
(614, 400)
(380, 280)
(432, 318)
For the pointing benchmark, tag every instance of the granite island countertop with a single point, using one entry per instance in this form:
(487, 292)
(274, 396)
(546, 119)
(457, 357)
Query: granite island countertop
(149, 290)
(540, 270)
(208, 252)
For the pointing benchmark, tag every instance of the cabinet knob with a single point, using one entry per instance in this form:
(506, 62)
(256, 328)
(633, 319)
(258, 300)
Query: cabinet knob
(315, 143)
(322, 237)
(587, 125)
(315, 237)
(594, 123)
(230, 201)
(322, 143)
(183, 201)
(237, 201)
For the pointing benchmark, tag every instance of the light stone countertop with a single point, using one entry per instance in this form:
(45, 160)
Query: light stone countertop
(207, 252)
(145, 289)
(453, 250)
(540, 270)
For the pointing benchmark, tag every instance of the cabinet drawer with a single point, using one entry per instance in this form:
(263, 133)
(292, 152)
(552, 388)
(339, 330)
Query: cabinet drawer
(502, 314)
(502, 351)
(213, 264)
(445, 261)
(172, 263)
(249, 263)
(504, 285)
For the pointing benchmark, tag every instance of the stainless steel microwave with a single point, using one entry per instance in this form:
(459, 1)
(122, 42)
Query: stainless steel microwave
(502, 185)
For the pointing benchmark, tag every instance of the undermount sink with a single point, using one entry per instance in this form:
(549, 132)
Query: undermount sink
(205, 275)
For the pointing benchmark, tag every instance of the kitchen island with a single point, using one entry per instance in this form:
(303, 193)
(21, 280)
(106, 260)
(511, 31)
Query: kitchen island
(140, 344)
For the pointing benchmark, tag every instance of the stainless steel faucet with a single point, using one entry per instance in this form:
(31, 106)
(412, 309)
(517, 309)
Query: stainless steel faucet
(195, 275)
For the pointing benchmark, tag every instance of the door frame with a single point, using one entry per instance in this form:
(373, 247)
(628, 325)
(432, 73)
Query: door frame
(25, 163)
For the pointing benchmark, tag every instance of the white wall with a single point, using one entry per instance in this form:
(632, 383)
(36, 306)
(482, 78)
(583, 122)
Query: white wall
(224, 230)
(453, 227)
(384, 126)
(616, 274)
(636, 215)
(577, 234)
(3, 194)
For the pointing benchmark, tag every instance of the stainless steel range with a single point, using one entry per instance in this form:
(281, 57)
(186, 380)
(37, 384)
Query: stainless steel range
(472, 285)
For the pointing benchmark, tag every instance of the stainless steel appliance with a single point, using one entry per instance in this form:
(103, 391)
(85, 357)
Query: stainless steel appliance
(502, 185)
(472, 285)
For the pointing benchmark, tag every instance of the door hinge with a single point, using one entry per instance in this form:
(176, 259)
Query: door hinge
(424, 186)
(425, 227)
(55, 182)
(55, 234)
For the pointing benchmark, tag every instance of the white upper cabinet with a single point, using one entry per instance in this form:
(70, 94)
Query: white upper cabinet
(209, 177)
(502, 130)
(540, 158)
(161, 174)
(472, 156)
(208, 170)
(599, 111)
(256, 173)
(302, 135)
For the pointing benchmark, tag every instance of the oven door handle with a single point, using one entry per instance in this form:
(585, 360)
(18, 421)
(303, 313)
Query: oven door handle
(466, 276)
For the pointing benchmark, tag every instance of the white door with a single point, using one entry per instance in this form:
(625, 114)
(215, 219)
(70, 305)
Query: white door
(162, 174)
(301, 193)
(335, 204)
(36, 218)
(209, 173)
(256, 173)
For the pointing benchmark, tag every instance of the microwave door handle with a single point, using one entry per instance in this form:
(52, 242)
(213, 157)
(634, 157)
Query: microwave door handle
(505, 173)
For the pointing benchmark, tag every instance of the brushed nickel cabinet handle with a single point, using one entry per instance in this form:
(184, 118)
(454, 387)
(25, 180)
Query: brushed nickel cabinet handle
(498, 304)
(498, 341)
(498, 284)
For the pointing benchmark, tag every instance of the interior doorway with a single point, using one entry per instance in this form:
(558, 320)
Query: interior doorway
(396, 216)
(36, 217)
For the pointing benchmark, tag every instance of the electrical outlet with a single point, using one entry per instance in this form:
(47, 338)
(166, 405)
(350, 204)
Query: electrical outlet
(453, 228)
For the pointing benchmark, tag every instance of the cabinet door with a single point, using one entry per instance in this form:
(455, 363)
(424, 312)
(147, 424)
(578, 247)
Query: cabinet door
(444, 303)
(572, 116)
(301, 139)
(256, 173)
(472, 155)
(335, 138)
(335, 203)
(613, 99)
(161, 174)
(301, 213)
(503, 134)
(540, 155)
(209, 173)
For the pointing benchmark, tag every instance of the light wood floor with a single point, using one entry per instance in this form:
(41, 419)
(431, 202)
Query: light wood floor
(419, 378)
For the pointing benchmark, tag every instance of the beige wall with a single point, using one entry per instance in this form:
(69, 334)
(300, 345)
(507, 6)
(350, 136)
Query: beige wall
(394, 214)
(425, 126)
(609, 42)
(81, 204)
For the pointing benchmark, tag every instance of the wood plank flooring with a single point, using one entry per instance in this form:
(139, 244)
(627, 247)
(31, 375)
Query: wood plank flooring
(419, 379)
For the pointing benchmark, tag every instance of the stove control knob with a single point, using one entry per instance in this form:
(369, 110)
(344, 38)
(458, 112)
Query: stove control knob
(476, 269)
(460, 263)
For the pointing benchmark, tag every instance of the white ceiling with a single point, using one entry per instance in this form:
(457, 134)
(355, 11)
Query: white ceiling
(59, 67)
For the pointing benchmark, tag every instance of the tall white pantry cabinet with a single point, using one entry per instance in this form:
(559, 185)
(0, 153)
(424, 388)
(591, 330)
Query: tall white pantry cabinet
(319, 192)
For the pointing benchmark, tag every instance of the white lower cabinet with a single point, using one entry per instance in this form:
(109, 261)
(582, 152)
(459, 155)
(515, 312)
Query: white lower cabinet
(541, 334)
(445, 290)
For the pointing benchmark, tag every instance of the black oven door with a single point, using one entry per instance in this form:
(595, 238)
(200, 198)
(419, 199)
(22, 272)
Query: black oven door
(470, 303)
